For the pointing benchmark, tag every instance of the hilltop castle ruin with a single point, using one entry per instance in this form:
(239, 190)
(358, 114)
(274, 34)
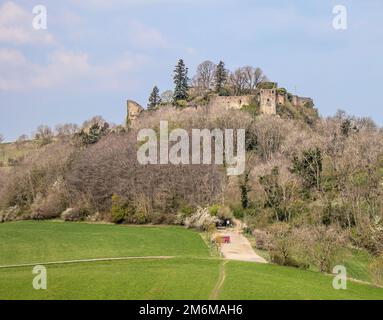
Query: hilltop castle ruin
(268, 98)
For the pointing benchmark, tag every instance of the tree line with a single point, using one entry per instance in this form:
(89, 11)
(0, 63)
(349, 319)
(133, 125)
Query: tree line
(209, 78)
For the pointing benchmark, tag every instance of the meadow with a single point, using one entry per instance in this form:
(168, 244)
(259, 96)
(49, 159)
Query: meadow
(188, 272)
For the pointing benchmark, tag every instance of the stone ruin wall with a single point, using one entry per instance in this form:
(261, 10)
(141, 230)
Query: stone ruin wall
(268, 101)
(232, 102)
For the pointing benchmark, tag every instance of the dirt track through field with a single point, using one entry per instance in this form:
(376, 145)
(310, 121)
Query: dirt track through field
(239, 247)
(219, 285)
(83, 260)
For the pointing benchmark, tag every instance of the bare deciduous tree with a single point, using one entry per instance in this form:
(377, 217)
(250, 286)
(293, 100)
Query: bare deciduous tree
(246, 79)
(237, 81)
(253, 76)
(66, 129)
(167, 97)
(44, 135)
(91, 122)
(204, 79)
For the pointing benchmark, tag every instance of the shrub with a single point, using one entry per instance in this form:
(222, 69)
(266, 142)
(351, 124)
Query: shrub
(213, 210)
(38, 175)
(118, 209)
(201, 219)
(94, 134)
(253, 109)
(238, 212)
(72, 214)
(281, 245)
(51, 205)
(142, 210)
(376, 270)
(224, 213)
(181, 103)
(187, 210)
(44, 208)
(136, 211)
(10, 214)
(321, 245)
(224, 92)
(12, 162)
(262, 239)
(266, 85)
(370, 236)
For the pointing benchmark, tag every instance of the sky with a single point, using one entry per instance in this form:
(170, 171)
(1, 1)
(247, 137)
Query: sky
(96, 54)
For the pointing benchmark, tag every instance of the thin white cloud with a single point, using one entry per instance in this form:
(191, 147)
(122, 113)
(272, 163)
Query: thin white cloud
(102, 4)
(16, 26)
(143, 36)
(65, 68)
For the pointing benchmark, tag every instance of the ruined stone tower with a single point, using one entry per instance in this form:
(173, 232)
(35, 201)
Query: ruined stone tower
(268, 101)
(133, 111)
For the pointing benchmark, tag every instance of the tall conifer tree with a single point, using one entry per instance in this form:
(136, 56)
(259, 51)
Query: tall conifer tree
(154, 98)
(181, 81)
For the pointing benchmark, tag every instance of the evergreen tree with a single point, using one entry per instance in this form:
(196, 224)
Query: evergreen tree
(96, 132)
(245, 189)
(154, 99)
(181, 81)
(220, 76)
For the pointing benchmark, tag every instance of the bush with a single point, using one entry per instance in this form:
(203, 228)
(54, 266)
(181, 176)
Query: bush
(262, 239)
(119, 209)
(253, 109)
(10, 214)
(49, 206)
(187, 210)
(224, 213)
(72, 214)
(213, 210)
(181, 103)
(201, 219)
(238, 212)
(281, 245)
(376, 270)
(370, 237)
(38, 180)
(135, 211)
(320, 245)
(224, 92)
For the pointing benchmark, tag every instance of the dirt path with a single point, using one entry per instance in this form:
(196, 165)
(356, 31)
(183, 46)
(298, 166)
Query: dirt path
(239, 247)
(221, 279)
(83, 260)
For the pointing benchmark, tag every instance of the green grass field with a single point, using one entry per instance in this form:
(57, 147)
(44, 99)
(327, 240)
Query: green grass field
(259, 281)
(37, 242)
(191, 274)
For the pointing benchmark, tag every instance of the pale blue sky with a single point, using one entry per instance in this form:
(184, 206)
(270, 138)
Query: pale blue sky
(96, 54)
